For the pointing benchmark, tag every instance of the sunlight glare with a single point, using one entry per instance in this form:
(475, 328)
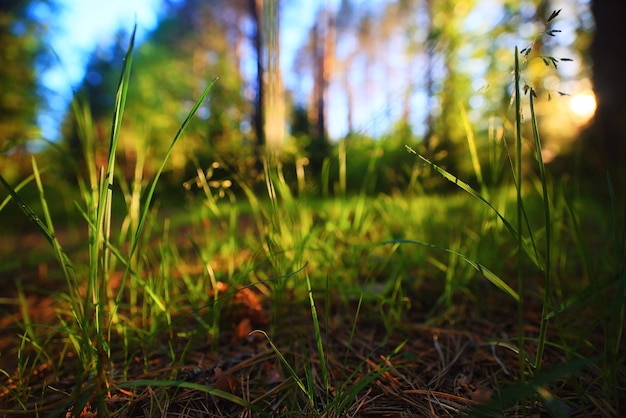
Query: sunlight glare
(583, 105)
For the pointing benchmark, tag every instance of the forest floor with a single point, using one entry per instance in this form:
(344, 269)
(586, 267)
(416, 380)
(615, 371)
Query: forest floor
(448, 363)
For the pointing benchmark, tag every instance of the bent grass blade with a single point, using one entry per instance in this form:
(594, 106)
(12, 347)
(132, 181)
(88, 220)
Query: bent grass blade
(488, 274)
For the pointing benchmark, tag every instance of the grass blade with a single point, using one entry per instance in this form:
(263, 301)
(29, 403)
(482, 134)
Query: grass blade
(152, 188)
(489, 275)
(547, 302)
(465, 187)
(189, 385)
(287, 366)
(28, 211)
(472, 147)
(518, 188)
(529, 250)
(318, 334)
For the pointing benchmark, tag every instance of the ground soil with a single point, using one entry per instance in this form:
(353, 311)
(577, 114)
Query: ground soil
(449, 363)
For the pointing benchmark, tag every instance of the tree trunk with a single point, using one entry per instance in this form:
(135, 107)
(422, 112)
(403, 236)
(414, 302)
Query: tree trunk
(256, 7)
(322, 51)
(275, 100)
(609, 125)
(323, 58)
(430, 91)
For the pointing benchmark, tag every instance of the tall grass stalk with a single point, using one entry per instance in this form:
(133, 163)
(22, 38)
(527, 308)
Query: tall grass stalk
(100, 236)
(318, 335)
(137, 234)
(547, 300)
(471, 142)
(518, 186)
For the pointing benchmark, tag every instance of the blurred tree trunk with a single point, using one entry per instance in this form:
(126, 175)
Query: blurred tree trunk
(429, 82)
(608, 78)
(259, 120)
(344, 21)
(323, 52)
(269, 118)
(274, 106)
(323, 58)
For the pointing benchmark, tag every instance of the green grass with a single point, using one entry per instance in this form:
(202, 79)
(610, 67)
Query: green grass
(331, 297)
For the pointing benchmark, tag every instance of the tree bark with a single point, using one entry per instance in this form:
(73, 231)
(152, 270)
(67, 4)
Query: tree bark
(259, 120)
(274, 106)
(609, 126)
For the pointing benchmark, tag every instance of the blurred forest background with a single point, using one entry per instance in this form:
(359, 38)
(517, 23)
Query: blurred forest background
(368, 79)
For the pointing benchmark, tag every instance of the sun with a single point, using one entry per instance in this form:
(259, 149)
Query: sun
(583, 105)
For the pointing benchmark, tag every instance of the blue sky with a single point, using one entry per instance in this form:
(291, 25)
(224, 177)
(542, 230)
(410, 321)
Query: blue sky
(77, 27)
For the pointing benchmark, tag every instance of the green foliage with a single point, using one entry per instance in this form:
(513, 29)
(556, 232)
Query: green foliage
(21, 39)
(171, 64)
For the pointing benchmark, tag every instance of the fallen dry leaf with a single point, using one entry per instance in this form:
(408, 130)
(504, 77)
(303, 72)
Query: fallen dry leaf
(225, 381)
(273, 376)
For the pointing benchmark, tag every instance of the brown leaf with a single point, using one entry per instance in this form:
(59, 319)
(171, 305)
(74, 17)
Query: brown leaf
(251, 304)
(242, 329)
(273, 376)
(225, 381)
(481, 394)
